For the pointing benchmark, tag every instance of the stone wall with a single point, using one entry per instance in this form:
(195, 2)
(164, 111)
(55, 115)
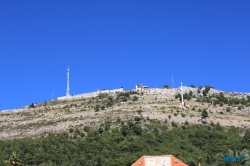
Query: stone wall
(91, 94)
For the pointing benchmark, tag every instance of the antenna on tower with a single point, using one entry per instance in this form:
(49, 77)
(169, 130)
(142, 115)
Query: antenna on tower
(68, 90)
(173, 80)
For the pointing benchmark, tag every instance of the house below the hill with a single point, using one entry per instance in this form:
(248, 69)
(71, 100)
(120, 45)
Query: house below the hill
(161, 160)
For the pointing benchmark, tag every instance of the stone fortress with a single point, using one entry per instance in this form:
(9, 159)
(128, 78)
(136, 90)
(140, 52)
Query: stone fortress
(158, 93)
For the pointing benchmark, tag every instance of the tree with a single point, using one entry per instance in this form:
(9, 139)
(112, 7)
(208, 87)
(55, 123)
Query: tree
(100, 130)
(137, 129)
(248, 98)
(109, 103)
(97, 107)
(124, 130)
(174, 124)
(192, 86)
(204, 114)
(166, 86)
(134, 98)
(206, 90)
(31, 105)
(13, 160)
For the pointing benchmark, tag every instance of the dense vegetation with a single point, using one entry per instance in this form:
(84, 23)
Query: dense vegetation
(124, 145)
(220, 99)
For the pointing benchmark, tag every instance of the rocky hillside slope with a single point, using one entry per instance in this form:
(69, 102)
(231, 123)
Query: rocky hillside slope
(162, 105)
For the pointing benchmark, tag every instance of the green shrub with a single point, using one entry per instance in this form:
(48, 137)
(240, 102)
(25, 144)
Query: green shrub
(118, 120)
(77, 131)
(86, 128)
(137, 119)
(71, 130)
(135, 98)
(174, 124)
(139, 111)
(124, 99)
(109, 103)
(97, 107)
(204, 114)
(166, 86)
(137, 129)
(82, 134)
(100, 130)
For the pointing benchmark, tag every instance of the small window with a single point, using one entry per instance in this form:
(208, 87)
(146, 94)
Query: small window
(176, 161)
(139, 163)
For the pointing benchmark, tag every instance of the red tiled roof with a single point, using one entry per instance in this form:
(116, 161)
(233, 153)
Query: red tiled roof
(174, 161)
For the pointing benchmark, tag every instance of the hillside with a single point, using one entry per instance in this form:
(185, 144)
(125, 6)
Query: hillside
(162, 105)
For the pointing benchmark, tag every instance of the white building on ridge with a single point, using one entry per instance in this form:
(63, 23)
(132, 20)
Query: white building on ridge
(141, 87)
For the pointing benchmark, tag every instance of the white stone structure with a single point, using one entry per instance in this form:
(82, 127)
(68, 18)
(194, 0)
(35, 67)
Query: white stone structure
(182, 102)
(141, 87)
(162, 93)
(90, 94)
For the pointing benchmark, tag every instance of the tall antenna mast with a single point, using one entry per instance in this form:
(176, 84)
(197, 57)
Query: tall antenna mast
(68, 90)
(173, 80)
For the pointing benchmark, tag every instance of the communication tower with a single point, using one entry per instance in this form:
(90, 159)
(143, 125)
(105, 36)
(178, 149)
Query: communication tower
(68, 90)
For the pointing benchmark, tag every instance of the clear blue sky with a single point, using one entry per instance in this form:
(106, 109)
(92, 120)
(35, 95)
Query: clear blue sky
(119, 43)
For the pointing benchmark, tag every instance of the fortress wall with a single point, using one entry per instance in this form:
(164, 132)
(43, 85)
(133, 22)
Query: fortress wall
(117, 90)
(91, 94)
(84, 95)
(105, 91)
(112, 91)
(63, 98)
(162, 91)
